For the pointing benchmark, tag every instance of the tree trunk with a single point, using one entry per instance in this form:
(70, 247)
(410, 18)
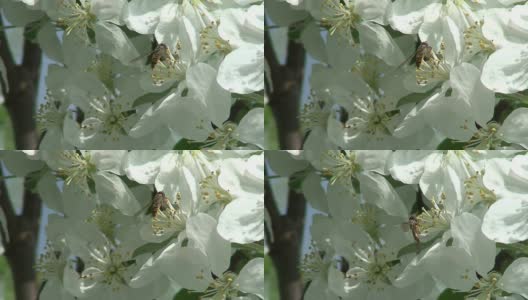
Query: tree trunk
(285, 250)
(284, 92)
(22, 229)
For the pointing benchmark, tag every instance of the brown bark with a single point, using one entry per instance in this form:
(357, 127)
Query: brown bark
(285, 94)
(22, 229)
(23, 86)
(285, 249)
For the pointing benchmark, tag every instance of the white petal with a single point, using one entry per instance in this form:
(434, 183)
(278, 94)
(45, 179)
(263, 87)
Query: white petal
(201, 79)
(452, 266)
(49, 192)
(251, 277)
(506, 221)
(112, 40)
(515, 128)
(107, 10)
(376, 40)
(201, 229)
(406, 16)
(19, 164)
(251, 127)
(111, 189)
(242, 70)
(143, 166)
(515, 277)
(465, 229)
(376, 189)
(465, 80)
(407, 166)
(142, 16)
(110, 161)
(196, 273)
(505, 70)
(242, 220)
(314, 192)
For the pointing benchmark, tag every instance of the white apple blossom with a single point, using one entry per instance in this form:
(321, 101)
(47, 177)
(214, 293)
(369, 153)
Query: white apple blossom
(147, 74)
(411, 74)
(461, 209)
(136, 224)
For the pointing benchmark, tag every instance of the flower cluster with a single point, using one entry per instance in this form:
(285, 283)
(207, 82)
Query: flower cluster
(148, 74)
(410, 74)
(144, 224)
(409, 224)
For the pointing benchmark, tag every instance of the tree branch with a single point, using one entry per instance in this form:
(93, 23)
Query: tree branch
(285, 250)
(3, 235)
(5, 203)
(286, 95)
(22, 230)
(23, 83)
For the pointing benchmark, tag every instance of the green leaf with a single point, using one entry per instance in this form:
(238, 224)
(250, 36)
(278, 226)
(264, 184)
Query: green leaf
(186, 295)
(6, 281)
(150, 98)
(270, 129)
(271, 283)
(449, 294)
(449, 144)
(150, 248)
(185, 144)
(6, 130)
(413, 98)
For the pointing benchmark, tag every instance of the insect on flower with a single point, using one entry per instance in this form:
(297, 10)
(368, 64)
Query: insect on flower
(424, 52)
(159, 203)
(412, 225)
(160, 54)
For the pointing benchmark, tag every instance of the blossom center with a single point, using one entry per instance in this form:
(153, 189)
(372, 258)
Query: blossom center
(314, 115)
(223, 287)
(212, 192)
(435, 219)
(486, 137)
(101, 216)
(77, 16)
(340, 18)
(222, 137)
(476, 191)
(313, 264)
(433, 68)
(344, 166)
(80, 168)
(50, 115)
(372, 118)
(170, 219)
(211, 42)
(109, 267)
(169, 67)
(51, 263)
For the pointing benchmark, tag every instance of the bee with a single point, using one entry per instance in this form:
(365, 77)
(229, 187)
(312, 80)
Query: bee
(160, 54)
(159, 203)
(424, 52)
(412, 225)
